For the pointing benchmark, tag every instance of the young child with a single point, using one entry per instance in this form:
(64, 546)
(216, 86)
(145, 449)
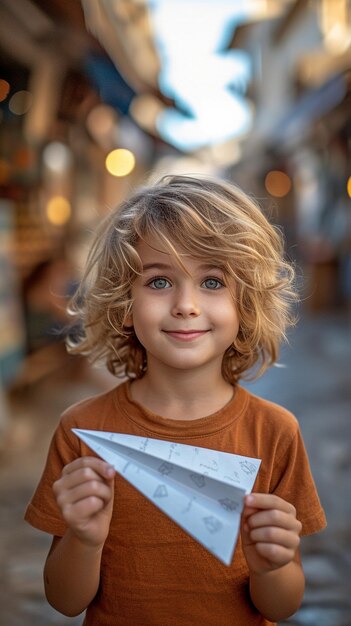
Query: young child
(185, 291)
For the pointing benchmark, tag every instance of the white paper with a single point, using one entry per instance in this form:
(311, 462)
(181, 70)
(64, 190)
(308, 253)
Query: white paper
(202, 490)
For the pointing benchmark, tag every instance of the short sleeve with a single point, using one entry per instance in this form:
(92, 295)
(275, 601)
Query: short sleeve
(42, 511)
(292, 480)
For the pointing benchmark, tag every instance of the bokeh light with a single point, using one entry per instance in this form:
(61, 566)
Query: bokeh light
(120, 162)
(4, 89)
(277, 183)
(20, 102)
(101, 121)
(349, 186)
(58, 210)
(57, 157)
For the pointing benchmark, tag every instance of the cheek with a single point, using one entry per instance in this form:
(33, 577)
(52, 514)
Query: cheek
(231, 324)
(228, 313)
(142, 318)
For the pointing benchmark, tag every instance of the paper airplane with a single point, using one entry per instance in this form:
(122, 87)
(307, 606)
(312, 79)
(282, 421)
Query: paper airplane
(202, 490)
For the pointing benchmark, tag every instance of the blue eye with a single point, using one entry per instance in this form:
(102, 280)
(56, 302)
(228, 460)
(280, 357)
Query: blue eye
(212, 283)
(159, 283)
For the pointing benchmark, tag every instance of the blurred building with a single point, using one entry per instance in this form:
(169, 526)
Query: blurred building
(96, 96)
(299, 149)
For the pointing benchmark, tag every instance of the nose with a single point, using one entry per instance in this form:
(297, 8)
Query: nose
(185, 302)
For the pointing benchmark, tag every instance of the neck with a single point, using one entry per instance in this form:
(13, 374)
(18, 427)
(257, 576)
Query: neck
(181, 394)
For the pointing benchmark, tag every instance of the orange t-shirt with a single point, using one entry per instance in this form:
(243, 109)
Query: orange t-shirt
(152, 572)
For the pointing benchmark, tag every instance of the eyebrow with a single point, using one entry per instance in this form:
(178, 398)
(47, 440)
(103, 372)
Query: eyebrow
(166, 266)
(156, 266)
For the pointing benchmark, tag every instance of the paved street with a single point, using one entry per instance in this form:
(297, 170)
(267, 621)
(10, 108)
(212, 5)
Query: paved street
(314, 384)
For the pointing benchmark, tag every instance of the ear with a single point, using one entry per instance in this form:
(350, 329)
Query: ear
(128, 322)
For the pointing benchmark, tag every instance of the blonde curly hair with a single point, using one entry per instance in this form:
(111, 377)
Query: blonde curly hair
(209, 219)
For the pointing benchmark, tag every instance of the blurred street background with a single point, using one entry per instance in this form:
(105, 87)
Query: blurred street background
(98, 96)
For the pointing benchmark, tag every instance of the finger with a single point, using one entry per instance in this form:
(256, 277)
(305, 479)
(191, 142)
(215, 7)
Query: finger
(247, 511)
(90, 462)
(81, 511)
(268, 501)
(274, 518)
(79, 476)
(85, 490)
(277, 536)
(275, 554)
(68, 483)
(82, 475)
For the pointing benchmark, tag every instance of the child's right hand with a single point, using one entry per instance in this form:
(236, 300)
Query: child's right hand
(84, 494)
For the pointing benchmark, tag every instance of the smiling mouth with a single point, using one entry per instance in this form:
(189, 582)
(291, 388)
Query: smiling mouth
(185, 335)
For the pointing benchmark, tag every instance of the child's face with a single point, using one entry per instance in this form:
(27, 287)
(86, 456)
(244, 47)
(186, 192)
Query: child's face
(183, 321)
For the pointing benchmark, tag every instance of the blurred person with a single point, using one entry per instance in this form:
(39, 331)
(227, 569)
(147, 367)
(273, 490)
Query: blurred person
(186, 291)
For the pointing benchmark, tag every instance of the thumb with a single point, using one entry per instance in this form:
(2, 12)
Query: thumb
(109, 476)
(109, 472)
(244, 526)
(244, 531)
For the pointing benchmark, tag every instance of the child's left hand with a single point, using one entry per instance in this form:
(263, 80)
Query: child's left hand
(270, 532)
